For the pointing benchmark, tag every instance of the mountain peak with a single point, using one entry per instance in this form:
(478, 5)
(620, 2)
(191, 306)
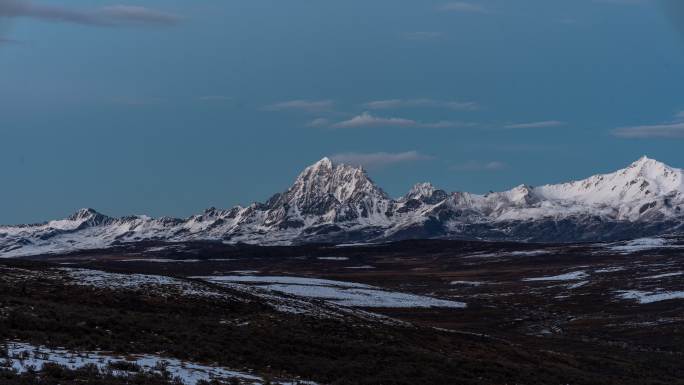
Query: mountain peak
(668, 177)
(333, 190)
(645, 161)
(324, 163)
(341, 181)
(644, 180)
(421, 190)
(426, 193)
(84, 214)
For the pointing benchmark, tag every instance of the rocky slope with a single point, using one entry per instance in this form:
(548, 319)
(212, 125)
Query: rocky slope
(340, 204)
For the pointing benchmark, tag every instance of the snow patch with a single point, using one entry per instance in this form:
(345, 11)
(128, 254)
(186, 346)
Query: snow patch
(341, 293)
(529, 253)
(25, 356)
(577, 285)
(644, 297)
(665, 275)
(161, 260)
(640, 244)
(161, 285)
(575, 275)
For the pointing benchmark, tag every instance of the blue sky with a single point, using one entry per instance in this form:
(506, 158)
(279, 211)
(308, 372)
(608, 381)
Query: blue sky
(168, 107)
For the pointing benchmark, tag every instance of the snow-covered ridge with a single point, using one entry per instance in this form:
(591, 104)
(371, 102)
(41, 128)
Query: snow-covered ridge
(644, 180)
(339, 203)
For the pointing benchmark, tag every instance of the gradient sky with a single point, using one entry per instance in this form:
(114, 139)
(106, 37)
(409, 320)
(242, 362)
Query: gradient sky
(168, 107)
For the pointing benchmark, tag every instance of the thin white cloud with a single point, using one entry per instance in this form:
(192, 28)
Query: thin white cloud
(110, 16)
(368, 120)
(541, 124)
(479, 166)
(378, 159)
(318, 123)
(670, 130)
(462, 6)
(302, 105)
(421, 103)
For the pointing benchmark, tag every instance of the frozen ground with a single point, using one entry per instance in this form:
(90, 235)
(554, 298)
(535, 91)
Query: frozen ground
(582, 303)
(162, 260)
(665, 275)
(575, 275)
(161, 285)
(338, 292)
(23, 357)
(642, 244)
(271, 293)
(645, 297)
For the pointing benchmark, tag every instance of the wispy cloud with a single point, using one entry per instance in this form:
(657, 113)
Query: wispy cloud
(302, 105)
(474, 165)
(389, 104)
(318, 123)
(462, 6)
(670, 130)
(378, 159)
(110, 16)
(368, 120)
(541, 124)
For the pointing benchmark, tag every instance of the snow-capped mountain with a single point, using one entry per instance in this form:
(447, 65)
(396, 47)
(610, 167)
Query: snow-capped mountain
(339, 203)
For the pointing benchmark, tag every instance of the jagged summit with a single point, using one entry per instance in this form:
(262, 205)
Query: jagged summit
(652, 168)
(342, 181)
(326, 193)
(667, 178)
(426, 193)
(324, 164)
(84, 214)
(420, 191)
(644, 160)
(327, 162)
(331, 202)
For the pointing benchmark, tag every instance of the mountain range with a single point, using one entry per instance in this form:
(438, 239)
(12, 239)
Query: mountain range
(338, 203)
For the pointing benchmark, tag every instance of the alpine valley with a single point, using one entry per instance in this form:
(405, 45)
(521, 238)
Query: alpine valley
(337, 203)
